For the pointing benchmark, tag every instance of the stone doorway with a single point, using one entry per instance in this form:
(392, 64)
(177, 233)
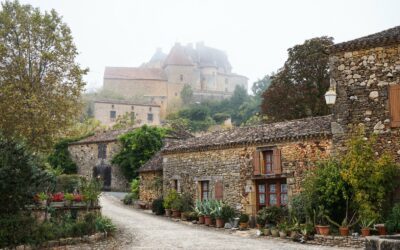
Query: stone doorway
(103, 172)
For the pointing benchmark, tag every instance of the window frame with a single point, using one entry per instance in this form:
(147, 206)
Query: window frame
(150, 115)
(269, 153)
(202, 190)
(113, 117)
(278, 192)
(102, 151)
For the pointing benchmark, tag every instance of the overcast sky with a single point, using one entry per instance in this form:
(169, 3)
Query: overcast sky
(254, 34)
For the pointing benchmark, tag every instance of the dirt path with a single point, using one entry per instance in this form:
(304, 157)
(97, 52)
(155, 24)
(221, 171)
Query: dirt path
(140, 230)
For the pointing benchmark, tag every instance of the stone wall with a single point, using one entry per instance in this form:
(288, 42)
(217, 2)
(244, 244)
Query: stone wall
(86, 158)
(233, 167)
(339, 241)
(150, 185)
(362, 79)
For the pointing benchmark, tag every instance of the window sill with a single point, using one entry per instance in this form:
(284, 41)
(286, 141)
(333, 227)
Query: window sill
(270, 176)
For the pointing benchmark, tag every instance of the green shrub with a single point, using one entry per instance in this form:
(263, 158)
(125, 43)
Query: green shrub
(220, 117)
(128, 199)
(393, 220)
(61, 158)
(158, 206)
(261, 217)
(177, 204)
(171, 196)
(15, 229)
(228, 212)
(275, 214)
(104, 224)
(243, 218)
(187, 202)
(300, 207)
(135, 184)
(68, 183)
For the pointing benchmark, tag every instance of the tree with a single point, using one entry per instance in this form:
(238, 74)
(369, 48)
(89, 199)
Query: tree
(61, 158)
(261, 85)
(187, 94)
(41, 82)
(138, 146)
(298, 89)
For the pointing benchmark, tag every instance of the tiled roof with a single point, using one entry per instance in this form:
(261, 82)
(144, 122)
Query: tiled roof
(288, 130)
(383, 38)
(127, 102)
(103, 136)
(154, 164)
(178, 56)
(129, 73)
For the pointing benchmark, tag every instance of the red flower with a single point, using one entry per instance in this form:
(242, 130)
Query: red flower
(58, 197)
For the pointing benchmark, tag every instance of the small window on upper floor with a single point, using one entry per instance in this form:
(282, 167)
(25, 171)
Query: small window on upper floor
(113, 115)
(112, 106)
(150, 117)
(181, 77)
(102, 151)
(150, 108)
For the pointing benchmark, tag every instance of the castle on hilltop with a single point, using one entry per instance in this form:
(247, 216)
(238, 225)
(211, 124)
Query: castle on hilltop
(160, 81)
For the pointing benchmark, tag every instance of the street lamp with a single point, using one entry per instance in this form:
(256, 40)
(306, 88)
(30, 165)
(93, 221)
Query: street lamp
(330, 97)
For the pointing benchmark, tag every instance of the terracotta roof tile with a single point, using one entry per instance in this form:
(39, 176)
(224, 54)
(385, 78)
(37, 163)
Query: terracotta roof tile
(302, 128)
(130, 73)
(177, 56)
(103, 136)
(383, 38)
(127, 102)
(154, 164)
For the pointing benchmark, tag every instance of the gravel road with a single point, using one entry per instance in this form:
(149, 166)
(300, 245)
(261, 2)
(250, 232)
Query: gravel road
(140, 230)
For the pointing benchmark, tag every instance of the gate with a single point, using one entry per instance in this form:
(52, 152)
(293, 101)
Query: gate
(103, 172)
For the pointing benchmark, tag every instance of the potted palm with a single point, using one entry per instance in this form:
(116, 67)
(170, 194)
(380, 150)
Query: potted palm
(366, 224)
(217, 214)
(171, 196)
(199, 211)
(261, 218)
(243, 221)
(207, 212)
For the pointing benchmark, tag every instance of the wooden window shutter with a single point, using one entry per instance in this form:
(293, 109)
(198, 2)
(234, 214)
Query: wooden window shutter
(276, 161)
(219, 190)
(262, 162)
(256, 163)
(394, 105)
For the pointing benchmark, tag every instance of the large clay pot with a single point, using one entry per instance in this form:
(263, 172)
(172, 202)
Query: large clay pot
(381, 229)
(201, 219)
(323, 230)
(219, 222)
(176, 213)
(344, 231)
(365, 232)
(207, 220)
(168, 212)
(274, 232)
(243, 225)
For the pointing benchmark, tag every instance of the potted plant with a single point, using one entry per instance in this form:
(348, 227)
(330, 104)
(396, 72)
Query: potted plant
(207, 206)
(393, 221)
(261, 218)
(366, 224)
(344, 227)
(322, 227)
(199, 211)
(381, 229)
(176, 207)
(294, 228)
(306, 230)
(282, 228)
(42, 197)
(186, 215)
(171, 196)
(78, 201)
(274, 231)
(57, 200)
(68, 198)
(91, 191)
(157, 206)
(267, 231)
(228, 213)
(243, 221)
(217, 214)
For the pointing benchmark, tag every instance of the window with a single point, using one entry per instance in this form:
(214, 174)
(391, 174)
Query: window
(181, 77)
(132, 107)
(175, 185)
(102, 151)
(271, 193)
(113, 115)
(204, 190)
(394, 104)
(268, 161)
(112, 106)
(150, 117)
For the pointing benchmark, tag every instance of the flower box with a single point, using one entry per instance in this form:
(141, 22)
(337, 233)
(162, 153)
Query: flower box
(57, 204)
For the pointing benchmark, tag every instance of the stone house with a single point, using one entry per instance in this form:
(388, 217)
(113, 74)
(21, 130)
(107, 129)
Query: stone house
(108, 111)
(248, 167)
(207, 70)
(365, 73)
(93, 157)
(151, 179)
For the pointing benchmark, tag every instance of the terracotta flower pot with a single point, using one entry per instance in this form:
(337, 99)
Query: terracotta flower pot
(168, 212)
(243, 225)
(219, 222)
(344, 231)
(381, 229)
(317, 229)
(365, 232)
(176, 213)
(201, 219)
(207, 220)
(324, 230)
